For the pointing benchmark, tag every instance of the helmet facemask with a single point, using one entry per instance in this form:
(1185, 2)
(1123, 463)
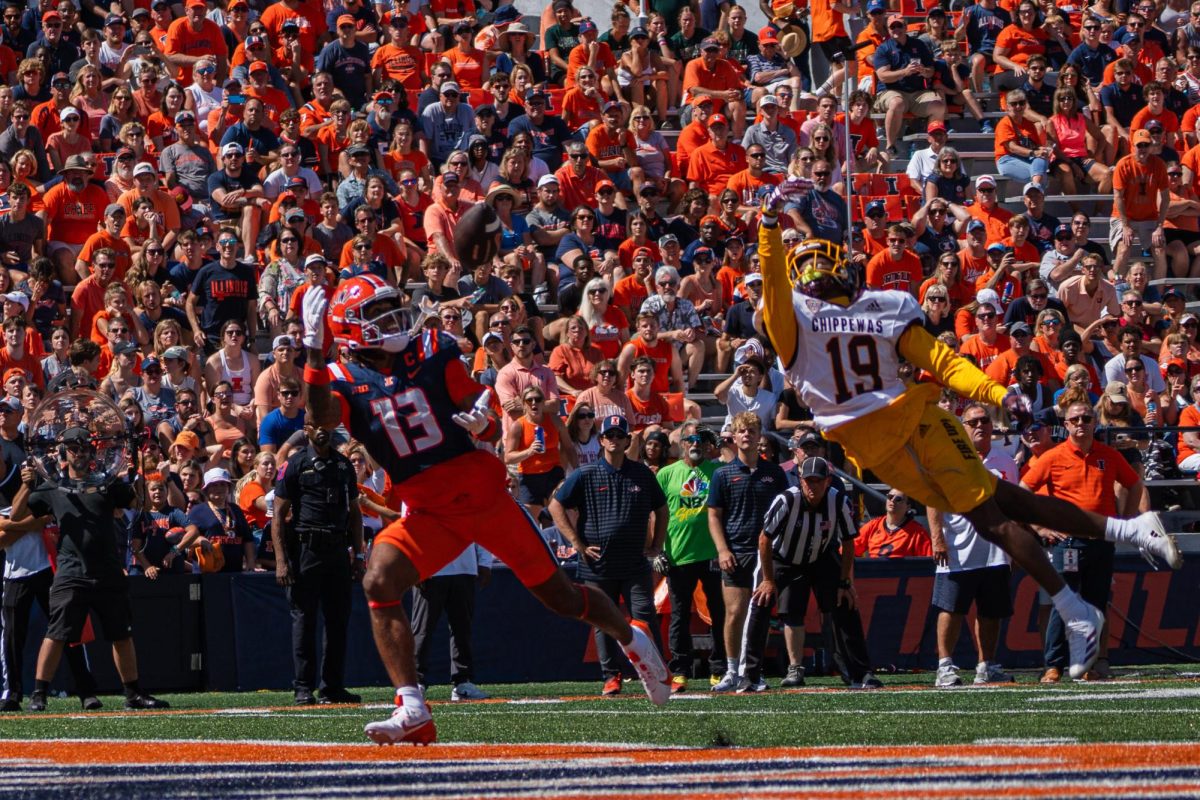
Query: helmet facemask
(386, 325)
(818, 268)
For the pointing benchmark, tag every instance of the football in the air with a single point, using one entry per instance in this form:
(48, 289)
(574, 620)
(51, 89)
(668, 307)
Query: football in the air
(477, 236)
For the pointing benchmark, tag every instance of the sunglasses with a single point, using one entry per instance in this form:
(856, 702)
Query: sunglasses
(1082, 419)
(1137, 368)
(235, 332)
(288, 393)
(896, 498)
(607, 372)
(985, 317)
(585, 415)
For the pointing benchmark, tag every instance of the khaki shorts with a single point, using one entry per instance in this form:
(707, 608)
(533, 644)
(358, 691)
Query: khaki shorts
(1143, 229)
(919, 104)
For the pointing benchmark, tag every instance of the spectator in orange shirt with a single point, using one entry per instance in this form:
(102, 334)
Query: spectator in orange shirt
(988, 343)
(398, 60)
(578, 178)
(712, 165)
(194, 36)
(1141, 199)
(896, 268)
(595, 54)
(894, 535)
(711, 76)
(1020, 145)
(1189, 441)
(613, 149)
(274, 101)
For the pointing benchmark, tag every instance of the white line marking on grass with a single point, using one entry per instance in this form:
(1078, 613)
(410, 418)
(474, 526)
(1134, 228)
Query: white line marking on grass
(1027, 741)
(535, 701)
(681, 698)
(1144, 694)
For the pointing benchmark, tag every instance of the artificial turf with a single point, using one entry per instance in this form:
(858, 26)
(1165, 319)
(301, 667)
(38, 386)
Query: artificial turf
(1159, 704)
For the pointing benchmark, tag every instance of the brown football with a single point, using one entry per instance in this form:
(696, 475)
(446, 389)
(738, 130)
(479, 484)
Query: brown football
(477, 236)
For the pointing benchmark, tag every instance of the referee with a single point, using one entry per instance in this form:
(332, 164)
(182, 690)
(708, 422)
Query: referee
(804, 530)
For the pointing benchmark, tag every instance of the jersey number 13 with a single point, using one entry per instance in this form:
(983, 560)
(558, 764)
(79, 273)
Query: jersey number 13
(412, 407)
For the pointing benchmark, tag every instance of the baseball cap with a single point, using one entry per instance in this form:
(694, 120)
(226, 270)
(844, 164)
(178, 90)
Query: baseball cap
(486, 108)
(1019, 327)
(976, 225)
(546, 180)
(74, 435)
(990, 248)
(768, 100)
(701, 100)
(18, 297)
(752, 277)
(614, 422)
(113, 209)
(346, 19)
(875, 205)
(196, 4)
(770, 38)
(703, 251)
(985, 181)
(642, 33)
(68, 112)
(894, 18)
(232, 147)
(1141, 136)
(710, 43)
(534, 92)
(114, 19)
(294, 214)
(806, 437)
(216, 475)
(1117, 392)
(717, 119)
(175, 351)
(1153, 125)
(462, 27)
(710, 219)
(283, 340)
(140, 12)
(450, 86)
(605, 183)
(988, 297)
(1033, 187)
(315, 258)
(49, 15)
(358, 150)
(184, 116)
(149, 362)
(610, 105)
(297, 182)
(666, 239)
(124, 348)
(877, 7)
(258, 66)
(813, 467)
(643, 251)
(1178, 363)
(491, 336)
(587, 25)
(1061, 229)
(146, 169)
(935, 127)
(450, 176)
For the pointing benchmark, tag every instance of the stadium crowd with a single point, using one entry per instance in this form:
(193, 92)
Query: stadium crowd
(176, 175)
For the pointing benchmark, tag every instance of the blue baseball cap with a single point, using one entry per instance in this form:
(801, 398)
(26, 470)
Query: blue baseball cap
(976, 225)
(875, 205)
(615, 422)
(877, 7)
(995, 246)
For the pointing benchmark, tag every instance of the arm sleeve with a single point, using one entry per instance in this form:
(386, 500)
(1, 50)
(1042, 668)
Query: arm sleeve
(779, 318)
(920, 348)
(716, 491)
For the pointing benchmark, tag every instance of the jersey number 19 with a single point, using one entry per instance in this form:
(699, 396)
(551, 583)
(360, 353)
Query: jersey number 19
(862, 357)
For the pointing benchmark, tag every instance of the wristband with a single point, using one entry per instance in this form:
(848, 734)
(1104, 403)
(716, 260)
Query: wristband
(316, 377)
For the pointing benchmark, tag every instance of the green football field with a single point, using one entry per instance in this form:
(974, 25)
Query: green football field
(1154, 704)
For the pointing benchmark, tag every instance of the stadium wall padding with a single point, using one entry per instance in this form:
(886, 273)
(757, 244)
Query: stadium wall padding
(232, 631)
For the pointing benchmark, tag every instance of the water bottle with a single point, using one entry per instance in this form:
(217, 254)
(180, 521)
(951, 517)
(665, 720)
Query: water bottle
(1151, 410)
(539, 436)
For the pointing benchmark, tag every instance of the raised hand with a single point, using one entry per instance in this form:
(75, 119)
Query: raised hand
(313, 312)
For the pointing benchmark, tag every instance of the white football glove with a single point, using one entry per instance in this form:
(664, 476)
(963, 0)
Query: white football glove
(313, 308)
(475, 420)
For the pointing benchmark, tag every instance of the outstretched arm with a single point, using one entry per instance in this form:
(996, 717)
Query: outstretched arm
(320, 396)
(779, 317)
(953, 371)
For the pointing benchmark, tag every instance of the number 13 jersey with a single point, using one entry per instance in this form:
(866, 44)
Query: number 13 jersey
(847, 359)
(404, 417)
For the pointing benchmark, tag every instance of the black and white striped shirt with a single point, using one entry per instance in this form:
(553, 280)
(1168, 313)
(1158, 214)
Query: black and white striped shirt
(801, 534)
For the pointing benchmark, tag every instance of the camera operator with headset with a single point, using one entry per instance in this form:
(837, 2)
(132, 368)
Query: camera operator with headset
(90, 577)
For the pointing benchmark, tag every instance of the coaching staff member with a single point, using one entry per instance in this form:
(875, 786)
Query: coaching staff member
(316, 523)
(1084, 472)
(90, 576)
(614, 498)
(807, 545)
(738, 498)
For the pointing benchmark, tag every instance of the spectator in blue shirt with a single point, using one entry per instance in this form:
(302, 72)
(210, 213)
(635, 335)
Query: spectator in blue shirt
(445, 122)
(279, 425)
(1092, 55)
(904, 67)
(349, 62)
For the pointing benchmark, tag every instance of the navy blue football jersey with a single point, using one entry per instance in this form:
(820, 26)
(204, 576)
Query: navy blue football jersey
(405, 418)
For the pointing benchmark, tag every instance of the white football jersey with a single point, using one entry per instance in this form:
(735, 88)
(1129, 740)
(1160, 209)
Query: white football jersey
(965, 548)
(847, 361)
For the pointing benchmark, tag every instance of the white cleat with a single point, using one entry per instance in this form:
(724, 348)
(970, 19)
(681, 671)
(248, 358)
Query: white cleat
(1083, 640)
(731, 682)
(991, 673)
(648, 662)
(1154, 542)
(404, 726)
(467, 691)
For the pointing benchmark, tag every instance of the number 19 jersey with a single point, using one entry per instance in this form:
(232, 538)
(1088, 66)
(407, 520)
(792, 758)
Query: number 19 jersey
(405, 417)
(847, 358)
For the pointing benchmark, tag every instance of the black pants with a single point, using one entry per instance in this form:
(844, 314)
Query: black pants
(841, 626)
(19, 597)
(455, 596)
(1093, 581)
(639, 597)
(322, 581)
(681, 584)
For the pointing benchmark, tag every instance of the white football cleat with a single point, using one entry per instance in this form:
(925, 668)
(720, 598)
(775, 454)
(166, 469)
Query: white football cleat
(648, 662)
(1083, 640)
(404, 726)
(467, 691)
(1154, 542)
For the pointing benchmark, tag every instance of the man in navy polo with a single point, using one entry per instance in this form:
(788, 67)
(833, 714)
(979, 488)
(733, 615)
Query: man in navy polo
(613, 499)
(738, 499)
